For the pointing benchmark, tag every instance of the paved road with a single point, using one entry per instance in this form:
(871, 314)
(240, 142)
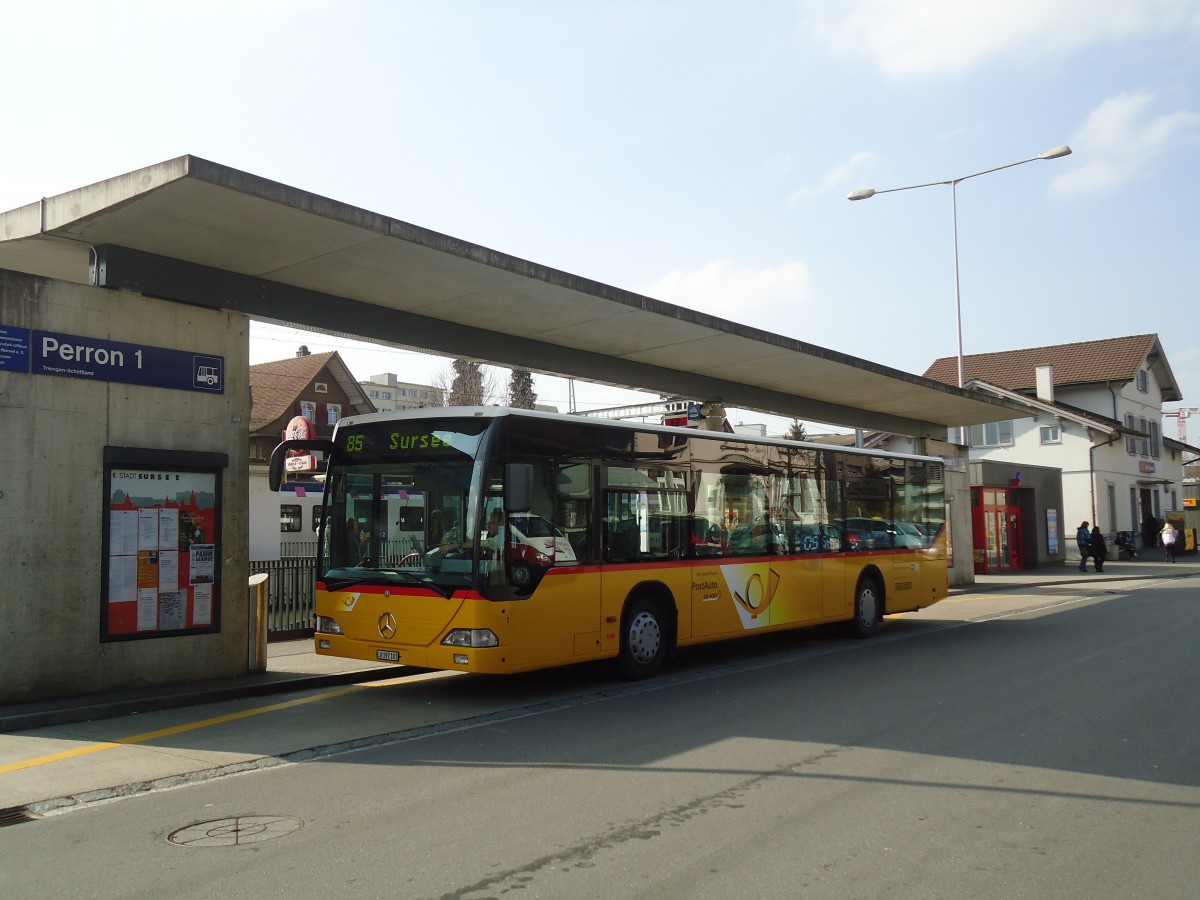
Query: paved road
(1032, 744)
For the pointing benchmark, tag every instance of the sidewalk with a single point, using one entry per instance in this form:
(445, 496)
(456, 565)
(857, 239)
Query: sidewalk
(294, 666)
(1149, 564)
(291, 666)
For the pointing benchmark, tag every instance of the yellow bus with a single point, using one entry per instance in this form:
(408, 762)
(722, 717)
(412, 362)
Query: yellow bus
(538, 540)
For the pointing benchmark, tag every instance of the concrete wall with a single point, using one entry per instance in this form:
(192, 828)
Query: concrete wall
(961, 566)
(52, 503)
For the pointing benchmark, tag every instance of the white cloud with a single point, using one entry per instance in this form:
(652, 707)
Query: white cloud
(921, 38)
(1120, 139)
(760, 297)
(849, 173)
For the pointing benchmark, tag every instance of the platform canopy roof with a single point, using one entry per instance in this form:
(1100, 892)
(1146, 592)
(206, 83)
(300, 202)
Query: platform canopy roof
(195, 231)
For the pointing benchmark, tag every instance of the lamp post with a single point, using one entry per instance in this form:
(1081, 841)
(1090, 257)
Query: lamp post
(865, 193)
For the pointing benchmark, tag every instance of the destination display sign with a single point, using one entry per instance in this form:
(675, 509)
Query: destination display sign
(437, 439)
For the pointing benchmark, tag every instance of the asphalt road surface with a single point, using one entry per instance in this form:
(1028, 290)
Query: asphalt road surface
(1039, 745)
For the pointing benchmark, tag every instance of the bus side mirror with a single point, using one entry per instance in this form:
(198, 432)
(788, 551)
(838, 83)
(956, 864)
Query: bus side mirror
(282, 452)
(518, 487)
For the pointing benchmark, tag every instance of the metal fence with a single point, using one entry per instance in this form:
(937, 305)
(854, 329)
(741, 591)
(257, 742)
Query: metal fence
(291, 602)
(290, 599)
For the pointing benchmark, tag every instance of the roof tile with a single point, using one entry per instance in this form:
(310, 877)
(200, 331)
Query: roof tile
(1085, 362)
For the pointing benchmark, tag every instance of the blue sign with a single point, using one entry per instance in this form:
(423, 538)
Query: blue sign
(100, 360)
(14, 349)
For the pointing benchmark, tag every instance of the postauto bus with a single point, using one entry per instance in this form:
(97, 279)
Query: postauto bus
(553, 539)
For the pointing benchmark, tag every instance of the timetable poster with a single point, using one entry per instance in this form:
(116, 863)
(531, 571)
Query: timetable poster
(161, 548)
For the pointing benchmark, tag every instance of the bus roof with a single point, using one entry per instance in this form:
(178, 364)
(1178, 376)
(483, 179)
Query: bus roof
(499, 412)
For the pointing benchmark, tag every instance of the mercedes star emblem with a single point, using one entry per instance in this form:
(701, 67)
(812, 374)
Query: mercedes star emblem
(387, 626)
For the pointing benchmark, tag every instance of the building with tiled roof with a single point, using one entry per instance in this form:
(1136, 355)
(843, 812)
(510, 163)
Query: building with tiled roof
(315, 386)
(1094, 426)
(1111, 361)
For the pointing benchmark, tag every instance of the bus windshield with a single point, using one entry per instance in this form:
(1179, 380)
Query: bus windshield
(397, 503)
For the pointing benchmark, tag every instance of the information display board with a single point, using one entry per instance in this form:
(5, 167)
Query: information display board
(162, 550)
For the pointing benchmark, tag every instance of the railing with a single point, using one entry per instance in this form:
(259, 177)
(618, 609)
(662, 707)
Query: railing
(291, 603)
(290, 596)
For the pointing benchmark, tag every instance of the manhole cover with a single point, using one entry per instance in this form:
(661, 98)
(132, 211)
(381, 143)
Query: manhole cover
(234, 831)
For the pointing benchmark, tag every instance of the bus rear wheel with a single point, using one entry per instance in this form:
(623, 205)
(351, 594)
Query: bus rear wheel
(868, 608)
(643, 639)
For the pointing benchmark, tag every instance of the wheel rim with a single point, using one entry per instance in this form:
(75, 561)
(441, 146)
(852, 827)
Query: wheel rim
(645, 637)
(868, 606)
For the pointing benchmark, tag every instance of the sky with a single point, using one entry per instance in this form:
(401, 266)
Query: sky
(697, 152)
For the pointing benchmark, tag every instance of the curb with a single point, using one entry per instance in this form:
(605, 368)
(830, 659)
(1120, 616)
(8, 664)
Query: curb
(118, 705)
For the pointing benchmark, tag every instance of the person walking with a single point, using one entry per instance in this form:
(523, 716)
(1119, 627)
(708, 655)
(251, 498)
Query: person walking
(1098, 548)
(1083, 537)
(1169, 535)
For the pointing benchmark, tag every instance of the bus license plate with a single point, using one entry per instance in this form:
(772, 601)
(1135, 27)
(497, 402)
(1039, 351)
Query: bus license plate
(388, 655)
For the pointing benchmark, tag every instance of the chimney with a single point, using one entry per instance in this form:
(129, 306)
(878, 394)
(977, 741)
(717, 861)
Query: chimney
(1045, 383)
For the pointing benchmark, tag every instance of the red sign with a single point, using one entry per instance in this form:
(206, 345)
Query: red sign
(299, 429)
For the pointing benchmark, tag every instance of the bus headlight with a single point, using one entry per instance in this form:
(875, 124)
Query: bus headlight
(326, 625)
(471, 637)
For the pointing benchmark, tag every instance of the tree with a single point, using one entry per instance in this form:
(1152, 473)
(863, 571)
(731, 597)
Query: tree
(521, 394)
(467, 387)
(797, 432)
(468, 383)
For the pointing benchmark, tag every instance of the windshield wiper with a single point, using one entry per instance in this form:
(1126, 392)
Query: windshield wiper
(386, 576)
(423, 580)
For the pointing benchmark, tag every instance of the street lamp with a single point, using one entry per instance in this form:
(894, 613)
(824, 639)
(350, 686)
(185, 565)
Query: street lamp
(866, 193)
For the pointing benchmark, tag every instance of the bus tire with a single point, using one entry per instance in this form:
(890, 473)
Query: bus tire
(643, 639)
(868, 607)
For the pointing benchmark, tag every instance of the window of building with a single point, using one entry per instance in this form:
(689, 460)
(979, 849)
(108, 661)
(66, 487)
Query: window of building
(1130, 442)
(1155, 443)
(993, 434)
(1144, 442)
(289, 517)
(1051, 434)
(1143, 381)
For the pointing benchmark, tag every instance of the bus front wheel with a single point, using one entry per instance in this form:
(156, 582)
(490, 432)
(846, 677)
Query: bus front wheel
(643, 639)
(868, 608)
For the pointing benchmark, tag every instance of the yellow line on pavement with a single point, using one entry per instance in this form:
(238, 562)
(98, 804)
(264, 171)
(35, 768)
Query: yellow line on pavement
(180, 729)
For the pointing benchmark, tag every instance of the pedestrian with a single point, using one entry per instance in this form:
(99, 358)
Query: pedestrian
(1083, 537)
(1098, 548)
(1169, 535)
